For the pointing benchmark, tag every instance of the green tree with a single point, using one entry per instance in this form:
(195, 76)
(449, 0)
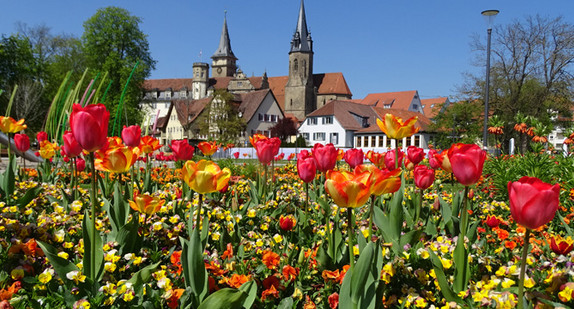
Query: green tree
(531, 71)
(17, 61)
(220, 119)
(459, 123)
(114, 43)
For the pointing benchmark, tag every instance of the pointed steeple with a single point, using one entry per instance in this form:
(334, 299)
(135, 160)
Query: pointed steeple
(301, 41)
(224, 49)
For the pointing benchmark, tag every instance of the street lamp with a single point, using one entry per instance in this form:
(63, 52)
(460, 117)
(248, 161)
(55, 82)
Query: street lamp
(489, 16)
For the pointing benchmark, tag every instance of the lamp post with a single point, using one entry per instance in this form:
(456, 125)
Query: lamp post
(489, 16)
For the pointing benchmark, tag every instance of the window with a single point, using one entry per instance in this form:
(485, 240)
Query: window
(328, 120)
(260, 117)
(334, 138)
(154, 94)
(373, 141)
(365, 122)
(239, 84)
(267, 118)
(365, 141)
(183, 94)
(319, 136)
(357, 141)
(168, 94)
(417, 140)
(274, 118)
(305, 136)
(381, 140)
(312, 120)
(387, 106)
(267, 133)
(295, 65)
(415, 106)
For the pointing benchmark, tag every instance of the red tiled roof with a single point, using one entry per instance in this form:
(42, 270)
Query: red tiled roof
(423, 122)
(432, 107)
(189, 110)
(347, 113)
(250, 102)
(399, 100)
(163, 84)
(326, 83)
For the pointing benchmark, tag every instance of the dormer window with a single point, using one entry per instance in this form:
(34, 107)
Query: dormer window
(387, 106)
(365, 123)
(168, 94)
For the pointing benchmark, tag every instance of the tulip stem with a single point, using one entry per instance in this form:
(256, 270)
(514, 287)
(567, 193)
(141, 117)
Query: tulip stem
(350, 238)
(371, 209)
(523, 269)
(74, 179)
(198, 217)
(419, 207)
(306, 197)
(396, 153)
(93, 215)
(464, 214)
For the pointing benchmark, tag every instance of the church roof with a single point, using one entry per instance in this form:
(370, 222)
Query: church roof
(301, 41)
(224, 49)
(397, 100)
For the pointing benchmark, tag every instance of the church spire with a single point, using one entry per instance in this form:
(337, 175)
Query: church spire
(224, 49)
(301, 41)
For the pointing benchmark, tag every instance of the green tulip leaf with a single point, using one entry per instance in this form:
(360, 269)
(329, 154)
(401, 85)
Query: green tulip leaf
(226, 298)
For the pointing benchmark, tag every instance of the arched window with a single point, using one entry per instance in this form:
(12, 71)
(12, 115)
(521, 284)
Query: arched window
(305, 68)
(295, 65)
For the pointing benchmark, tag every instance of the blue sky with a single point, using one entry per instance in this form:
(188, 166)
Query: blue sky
(379, 46)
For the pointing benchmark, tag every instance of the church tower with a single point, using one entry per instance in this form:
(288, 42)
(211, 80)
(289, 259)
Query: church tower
(299, 90)
(223, 63)
(200, 80)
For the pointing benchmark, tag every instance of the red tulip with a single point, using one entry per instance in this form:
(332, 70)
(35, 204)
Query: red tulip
(433, 162)
(467, 161)
(80, 164)
(287, 223)
(22, 142)
(280, 156)
(325, 156)
(306, 166)
(424, 176)
(267, 149)
(561, 245)
(132, 135)
(354, 157)
(41, 136)
(493, 221)
(90, 125)
(182, 150)
(71, 147)
(533, 203)
(236, 155)
(415, 154)
(390, 159)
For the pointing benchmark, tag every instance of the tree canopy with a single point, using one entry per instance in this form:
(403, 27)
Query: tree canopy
(530, 73)
(114, 43)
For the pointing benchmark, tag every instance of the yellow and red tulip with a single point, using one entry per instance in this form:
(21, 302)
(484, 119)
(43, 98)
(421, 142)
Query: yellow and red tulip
(149, 144)
(382, 181)
(349, 189)
(205, 176)
(561, 245)
(394, 127)
(48, 150)
(117, 159)
(146, 203)
(10, 125)
(208, 148)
